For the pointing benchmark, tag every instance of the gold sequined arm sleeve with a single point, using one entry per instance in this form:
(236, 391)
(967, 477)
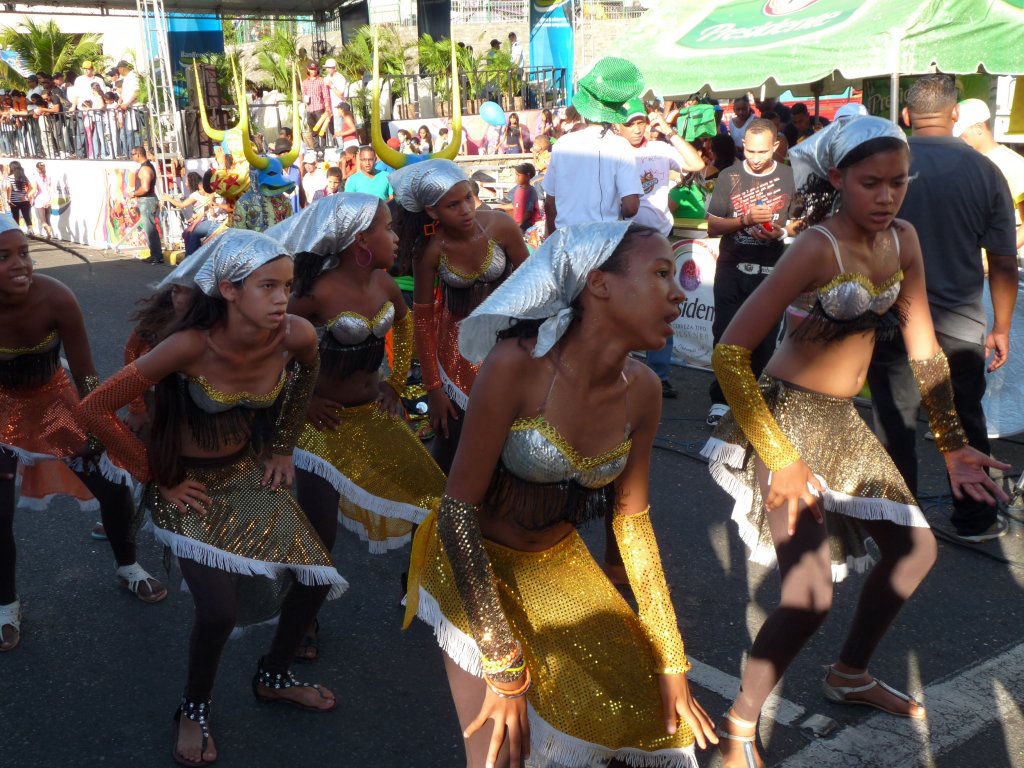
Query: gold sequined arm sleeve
(933, 379)
(401, 357)
(98, 412)
(459, 530)
(639, 548)
(735, 377)
(292, 415)
(426, 344)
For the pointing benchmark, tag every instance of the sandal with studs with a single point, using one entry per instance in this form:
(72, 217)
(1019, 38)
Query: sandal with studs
(749, 743)
(197, 712)
(279, 681)
(847, 694)
(10, 616)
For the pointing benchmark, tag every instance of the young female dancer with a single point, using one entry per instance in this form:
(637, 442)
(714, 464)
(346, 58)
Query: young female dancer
(38, 402)
(817, 483)
(228, 411)
(535, 637)
(356, 456)
(472, 252)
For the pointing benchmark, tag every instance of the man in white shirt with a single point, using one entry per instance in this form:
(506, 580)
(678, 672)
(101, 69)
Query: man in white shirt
(82, 91)
(592, 175)
(516, 49)
(655, 161)
(129, 133)
(972, 126)
(738, 124)
(338, 86)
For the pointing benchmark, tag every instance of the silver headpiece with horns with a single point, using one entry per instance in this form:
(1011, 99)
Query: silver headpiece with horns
(327, 227)
(422, 185)
(818, 154)
(542, 288)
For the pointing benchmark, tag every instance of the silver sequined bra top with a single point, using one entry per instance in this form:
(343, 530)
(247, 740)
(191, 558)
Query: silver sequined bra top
(352, 328)
(211, 400)
(492, 268)
(850, 302)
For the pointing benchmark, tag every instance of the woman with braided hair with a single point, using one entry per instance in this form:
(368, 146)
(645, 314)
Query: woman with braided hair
(233, 380)
(811, 482)
(470, 252)
(535, 637)
(39, 420)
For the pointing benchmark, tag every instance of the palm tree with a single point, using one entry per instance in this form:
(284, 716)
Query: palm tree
(356, 58)
(276, 56)
(45, 48)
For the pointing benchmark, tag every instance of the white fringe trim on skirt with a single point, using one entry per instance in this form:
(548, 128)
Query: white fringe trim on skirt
(724, 458)
(451, 389)
(28, 457)
(41, 504)
(205, 554)
(310, 462)
(550, 748)
(375, 546)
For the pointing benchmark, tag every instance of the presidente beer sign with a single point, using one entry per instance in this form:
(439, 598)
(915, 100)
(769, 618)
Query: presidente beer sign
(763, 22)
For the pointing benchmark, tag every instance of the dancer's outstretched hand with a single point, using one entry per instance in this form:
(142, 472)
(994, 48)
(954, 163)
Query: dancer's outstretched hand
(440, 409)
(967, 475)
(677, 702)
(280, 472)
(791, 486)
(507, 715)
(188, 494)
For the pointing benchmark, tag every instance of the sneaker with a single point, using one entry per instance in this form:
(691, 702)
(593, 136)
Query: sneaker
(99, 532)
(151, 260)
(716, 413)
(994, 531)
(667, 390)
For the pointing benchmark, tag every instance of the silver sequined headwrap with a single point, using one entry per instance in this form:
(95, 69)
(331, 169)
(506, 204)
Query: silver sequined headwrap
(542, 288)
(232, 255)
(818, 154)
(328, 226)
(7, 222)
(422, 185)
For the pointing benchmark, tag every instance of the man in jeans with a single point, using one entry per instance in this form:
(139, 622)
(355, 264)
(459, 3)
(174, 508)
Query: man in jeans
(959, 203)
(749, 211)
(145, 197)
(317, 96)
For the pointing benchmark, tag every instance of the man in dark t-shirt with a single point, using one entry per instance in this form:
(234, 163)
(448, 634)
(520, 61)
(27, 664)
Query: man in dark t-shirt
(748, 210)
(959, 203)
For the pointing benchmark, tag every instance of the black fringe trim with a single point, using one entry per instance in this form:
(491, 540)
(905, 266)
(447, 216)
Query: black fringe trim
(29, 371)
(536, 506)
(211, 431)
(462, 301)
(339, 361)
(820, 328)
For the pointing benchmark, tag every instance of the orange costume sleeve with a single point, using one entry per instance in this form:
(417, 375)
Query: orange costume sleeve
(135, 348)
(425, 332)
(99, 413)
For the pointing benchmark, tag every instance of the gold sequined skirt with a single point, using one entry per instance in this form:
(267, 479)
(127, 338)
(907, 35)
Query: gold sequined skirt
(247, 529)
(861, 481)
(595, 693)
(386, 478)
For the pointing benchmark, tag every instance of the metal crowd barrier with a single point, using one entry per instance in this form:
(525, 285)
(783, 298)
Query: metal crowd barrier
(93, 134)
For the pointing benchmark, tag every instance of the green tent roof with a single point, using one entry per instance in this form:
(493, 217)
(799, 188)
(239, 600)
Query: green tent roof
(682, 46)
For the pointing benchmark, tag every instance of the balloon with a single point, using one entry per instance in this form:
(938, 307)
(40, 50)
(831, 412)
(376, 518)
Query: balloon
(493, 113)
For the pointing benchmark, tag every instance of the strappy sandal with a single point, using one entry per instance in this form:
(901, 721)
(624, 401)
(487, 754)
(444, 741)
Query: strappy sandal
(10, 616)
(197, 712)
(283, 680)
(133, 576)
(840, 694)
(309, 642)
(749, 742)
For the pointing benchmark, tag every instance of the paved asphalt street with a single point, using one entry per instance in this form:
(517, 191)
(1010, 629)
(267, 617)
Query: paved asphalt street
(98, 673)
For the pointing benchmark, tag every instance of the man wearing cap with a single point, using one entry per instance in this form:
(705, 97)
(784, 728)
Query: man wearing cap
(592, 175)
(959, 203)
(129, 97)
(973, 127)
(81, 91)
(316, 95)
(34, 86)
(655, 161)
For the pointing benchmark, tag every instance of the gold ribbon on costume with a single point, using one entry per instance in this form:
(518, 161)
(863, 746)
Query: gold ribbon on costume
(417, 561)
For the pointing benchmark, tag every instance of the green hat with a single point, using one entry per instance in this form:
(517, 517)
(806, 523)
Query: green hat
(603, 91)
(634, 108)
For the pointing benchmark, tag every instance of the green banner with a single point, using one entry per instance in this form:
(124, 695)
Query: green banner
(877, 91)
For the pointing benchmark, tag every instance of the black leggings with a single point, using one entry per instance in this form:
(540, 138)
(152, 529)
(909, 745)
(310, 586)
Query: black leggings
(443, 448)
(22, 211)
(116, 509)
(907, 554)
(213, 591)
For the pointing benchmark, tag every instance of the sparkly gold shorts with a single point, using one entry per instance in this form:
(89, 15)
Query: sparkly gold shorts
(861, 481)
(595, 693)
(387, 479)
(248, 529)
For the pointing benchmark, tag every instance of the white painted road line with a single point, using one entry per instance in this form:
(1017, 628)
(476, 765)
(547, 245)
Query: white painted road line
(958, 708)
(776, 708)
